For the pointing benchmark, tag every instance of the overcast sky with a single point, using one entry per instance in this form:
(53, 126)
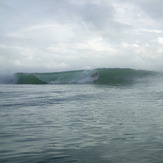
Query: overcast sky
(59, 35)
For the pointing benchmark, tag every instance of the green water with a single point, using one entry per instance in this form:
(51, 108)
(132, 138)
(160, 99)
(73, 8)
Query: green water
(82, 123)
(97, 76)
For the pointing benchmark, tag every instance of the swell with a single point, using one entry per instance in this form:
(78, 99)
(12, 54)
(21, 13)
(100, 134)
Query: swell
(111, 76)
(68, 77)
(122, 76)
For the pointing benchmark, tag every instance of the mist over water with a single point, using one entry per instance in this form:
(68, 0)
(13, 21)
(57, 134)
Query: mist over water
(91, 123)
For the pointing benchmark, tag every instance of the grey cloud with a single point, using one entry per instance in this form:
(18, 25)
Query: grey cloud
(153, 8)
(71, 34)
(98, 15)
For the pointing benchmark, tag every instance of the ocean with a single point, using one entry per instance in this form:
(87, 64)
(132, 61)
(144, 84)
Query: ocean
(87, 116)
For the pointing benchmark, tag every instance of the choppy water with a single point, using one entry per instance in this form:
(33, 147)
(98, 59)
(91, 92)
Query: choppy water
(82, 123)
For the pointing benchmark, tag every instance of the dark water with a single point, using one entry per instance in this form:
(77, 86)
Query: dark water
(85, 123)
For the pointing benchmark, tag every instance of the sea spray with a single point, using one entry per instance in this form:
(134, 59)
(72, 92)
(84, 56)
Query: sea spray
(8, 79)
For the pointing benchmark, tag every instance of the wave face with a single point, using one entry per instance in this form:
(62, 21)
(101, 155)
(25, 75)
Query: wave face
(111, 76)
(69, 77)
(117, 76)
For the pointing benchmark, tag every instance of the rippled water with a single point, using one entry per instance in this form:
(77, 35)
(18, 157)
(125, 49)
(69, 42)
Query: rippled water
(81, 123)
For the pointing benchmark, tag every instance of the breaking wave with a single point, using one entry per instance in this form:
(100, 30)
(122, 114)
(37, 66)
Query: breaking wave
(97, 76)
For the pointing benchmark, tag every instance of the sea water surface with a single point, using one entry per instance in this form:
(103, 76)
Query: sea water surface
(82, 123)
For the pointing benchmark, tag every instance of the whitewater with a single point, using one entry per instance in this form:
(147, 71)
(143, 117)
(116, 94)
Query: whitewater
(87, 116)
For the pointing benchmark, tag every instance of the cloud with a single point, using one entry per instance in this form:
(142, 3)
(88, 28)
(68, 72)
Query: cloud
(96, 45)
(38, 35)
(153, 8)
(160, 40)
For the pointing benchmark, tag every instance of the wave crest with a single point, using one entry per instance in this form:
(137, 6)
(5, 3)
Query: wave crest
(98, 76)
